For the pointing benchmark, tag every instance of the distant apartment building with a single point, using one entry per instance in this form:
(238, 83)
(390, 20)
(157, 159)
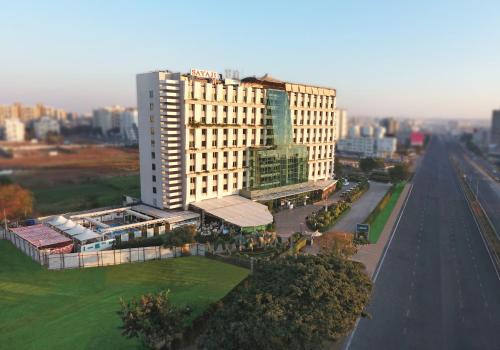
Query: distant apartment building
(495, 129)
(44, 126)
(13, 130)
(107, 118)
(202, 136)
(371, 143)
(121, 122)
(29, 113)
(391, 126)
(129, 126)
(341, 125)
(481, 138)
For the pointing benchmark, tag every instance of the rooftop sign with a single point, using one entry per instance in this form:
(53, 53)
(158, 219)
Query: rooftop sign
(202, 73)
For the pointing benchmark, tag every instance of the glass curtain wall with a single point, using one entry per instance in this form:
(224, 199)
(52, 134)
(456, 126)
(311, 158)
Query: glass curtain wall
(281, 162)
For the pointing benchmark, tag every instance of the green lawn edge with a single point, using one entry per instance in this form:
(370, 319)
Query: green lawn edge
(378, 223)
(76, 309)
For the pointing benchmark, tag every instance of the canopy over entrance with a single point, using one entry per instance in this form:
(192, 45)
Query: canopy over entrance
(236, 210)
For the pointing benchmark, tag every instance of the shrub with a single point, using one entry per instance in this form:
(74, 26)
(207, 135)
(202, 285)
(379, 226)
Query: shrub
(154, 320)
(276, 307)
(140, 242)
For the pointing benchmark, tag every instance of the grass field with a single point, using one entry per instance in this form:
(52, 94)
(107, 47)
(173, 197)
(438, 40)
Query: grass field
(76, 309)
(94, 193)
(378, 222)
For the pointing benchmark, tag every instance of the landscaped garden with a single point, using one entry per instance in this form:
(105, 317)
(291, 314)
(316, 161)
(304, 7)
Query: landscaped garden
(77, 309)
(322, 219)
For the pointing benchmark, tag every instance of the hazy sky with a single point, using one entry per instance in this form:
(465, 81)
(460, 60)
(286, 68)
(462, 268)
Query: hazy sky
(401, 58)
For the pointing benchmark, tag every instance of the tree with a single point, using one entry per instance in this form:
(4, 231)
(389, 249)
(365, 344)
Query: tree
(337, 243)
(16, 201)
(291, 303)
(154, 320)
(368, 164)
(399, 172)
(181, 235)
(5, 180)
(339, 168)
(53, 138)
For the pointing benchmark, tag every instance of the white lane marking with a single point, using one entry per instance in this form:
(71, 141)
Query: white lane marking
(392, 235)
(351, 336)
(480, 232)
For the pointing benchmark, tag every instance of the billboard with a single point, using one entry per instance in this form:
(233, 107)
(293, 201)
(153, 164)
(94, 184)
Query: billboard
(417, 139)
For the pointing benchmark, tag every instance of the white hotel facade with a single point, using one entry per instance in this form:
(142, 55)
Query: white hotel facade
(203, 137)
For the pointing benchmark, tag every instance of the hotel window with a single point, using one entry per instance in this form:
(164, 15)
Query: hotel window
(153, 166)
(153, 155)
(154, 189)
(154, 178)
(151, 118)
(152, 131)
(150, 93)
(192, 190)
(151, 106)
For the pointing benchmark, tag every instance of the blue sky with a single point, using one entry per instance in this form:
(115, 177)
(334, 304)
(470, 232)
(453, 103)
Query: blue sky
(399, 58)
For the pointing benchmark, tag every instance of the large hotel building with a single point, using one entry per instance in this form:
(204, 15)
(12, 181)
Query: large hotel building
(204, 137)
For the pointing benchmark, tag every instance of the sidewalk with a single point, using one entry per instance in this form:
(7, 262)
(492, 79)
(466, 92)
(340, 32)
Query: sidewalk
(370, 254)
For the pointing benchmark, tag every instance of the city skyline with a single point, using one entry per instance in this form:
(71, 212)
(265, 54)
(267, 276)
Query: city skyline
(404, 60)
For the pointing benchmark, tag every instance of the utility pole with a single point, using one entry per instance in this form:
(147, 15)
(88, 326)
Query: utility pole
(5, 221)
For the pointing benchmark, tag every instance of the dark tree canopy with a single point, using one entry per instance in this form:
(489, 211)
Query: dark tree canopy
(399, 172)
(291, 303)
(368, 164)
(153, 319)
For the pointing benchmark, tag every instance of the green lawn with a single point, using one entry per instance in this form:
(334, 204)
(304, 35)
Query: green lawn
(76, 309)
(86, 195)
(378, 223)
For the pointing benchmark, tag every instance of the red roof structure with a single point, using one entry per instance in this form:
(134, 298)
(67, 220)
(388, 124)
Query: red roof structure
(42, 236)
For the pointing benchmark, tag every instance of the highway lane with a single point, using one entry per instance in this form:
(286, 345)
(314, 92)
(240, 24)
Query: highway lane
(484, 185)
(437, 288)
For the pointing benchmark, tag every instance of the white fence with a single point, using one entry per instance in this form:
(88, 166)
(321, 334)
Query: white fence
(23, 245)
(101, 258)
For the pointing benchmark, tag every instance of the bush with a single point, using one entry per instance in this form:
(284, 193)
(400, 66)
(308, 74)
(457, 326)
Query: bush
(276, 307)
(154, 320)
(177, 237)
(399, 172)
(140, 242)
(180, 236)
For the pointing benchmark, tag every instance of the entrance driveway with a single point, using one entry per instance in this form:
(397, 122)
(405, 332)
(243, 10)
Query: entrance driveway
(289, 221)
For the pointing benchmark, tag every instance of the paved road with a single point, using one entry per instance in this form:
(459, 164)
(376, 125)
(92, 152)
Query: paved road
(361, 208)
(289, 221)
(437, 287)
(484, 185)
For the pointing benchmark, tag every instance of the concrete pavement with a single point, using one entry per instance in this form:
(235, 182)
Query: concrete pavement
(437, 287)
(361, 208)
(289, 221)
(370, 254)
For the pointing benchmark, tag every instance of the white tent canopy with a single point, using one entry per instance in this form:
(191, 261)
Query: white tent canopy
(68, 225)
(57, 220)
(78, 229)
(236, 210)
(86, 235)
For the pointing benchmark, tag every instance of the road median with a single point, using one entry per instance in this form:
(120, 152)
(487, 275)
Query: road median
(486, 229)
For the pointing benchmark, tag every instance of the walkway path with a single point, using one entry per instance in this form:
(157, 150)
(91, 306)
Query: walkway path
(289, 221)
(370, 254)
(361, 208)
